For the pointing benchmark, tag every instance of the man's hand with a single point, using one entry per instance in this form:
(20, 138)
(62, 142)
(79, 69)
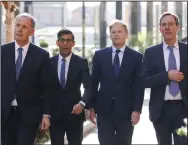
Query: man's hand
(92, 116)
(45, 123)
(175, 75)
(135, 117)
(77, 109)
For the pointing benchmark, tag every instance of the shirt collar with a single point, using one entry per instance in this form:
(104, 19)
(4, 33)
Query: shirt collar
(122, 49)
(166, 45)
(66, 58)
(25, 47)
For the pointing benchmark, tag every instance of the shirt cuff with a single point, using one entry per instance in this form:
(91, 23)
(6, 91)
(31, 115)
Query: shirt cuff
(46, 115)
(82, 103)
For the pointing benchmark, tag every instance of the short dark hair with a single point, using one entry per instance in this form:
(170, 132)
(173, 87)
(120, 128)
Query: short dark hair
(169, 14)
(63, 32)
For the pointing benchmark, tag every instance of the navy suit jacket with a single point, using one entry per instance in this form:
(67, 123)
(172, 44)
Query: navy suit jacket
(65, 98)
(30, 86)
(155, 77)
(126, 88)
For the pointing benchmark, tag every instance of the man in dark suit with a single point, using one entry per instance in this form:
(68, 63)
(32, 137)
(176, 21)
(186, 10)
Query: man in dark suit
(69, 71)
(118, 102)
(164, 68)
(23, 101)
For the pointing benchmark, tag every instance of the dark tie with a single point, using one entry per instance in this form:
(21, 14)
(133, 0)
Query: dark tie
(62, 73)
(174, 86)
(19, 62)
(116, 63)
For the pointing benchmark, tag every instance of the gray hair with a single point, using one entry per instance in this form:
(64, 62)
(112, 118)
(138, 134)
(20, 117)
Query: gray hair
(116, 21)
(28, 16)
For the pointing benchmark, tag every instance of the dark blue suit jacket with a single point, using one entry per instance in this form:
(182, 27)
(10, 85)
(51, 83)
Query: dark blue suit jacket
(155, 77)
(126, 88)
(30, 86)
(65, 98)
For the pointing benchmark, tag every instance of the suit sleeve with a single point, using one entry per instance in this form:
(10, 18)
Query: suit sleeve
(86, 80)
(46, 84)
(94, 81)
(138, 87)
(150, 78)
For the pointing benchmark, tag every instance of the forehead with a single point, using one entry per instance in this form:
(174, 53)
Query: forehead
(66, 36)
(24, 21)
(168, 18)
(117, 26)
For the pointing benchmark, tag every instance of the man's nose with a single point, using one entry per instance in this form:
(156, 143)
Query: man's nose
(167, 26)
(65, 42)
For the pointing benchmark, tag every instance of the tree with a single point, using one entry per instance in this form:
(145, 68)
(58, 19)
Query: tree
(10, 8)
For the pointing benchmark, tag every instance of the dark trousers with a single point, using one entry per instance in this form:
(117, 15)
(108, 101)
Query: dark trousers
(16, 131)
(71, 126)
(170, 120)
(113, 130)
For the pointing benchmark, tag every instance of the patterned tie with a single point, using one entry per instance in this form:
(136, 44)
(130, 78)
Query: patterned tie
(174, 86)
(116, 63)
(19, 62)
(62, 73)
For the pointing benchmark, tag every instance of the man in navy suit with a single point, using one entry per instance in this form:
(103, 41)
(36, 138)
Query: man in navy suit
(118, 101)
(23, 69)
(164, 69)
(69, 71)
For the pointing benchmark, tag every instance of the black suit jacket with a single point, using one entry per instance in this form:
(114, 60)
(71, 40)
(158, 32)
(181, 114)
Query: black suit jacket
(155, 77)
(126, 88)
(29, 88)
(65, 98)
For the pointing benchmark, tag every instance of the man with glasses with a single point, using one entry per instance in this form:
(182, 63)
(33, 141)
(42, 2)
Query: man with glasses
(69, 71)
(164, 71)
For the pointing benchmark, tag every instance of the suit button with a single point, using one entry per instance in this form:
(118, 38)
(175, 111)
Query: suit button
(113, 98)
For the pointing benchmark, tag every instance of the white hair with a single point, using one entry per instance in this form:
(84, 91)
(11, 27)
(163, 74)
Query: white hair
(115, 21)
(27, 15)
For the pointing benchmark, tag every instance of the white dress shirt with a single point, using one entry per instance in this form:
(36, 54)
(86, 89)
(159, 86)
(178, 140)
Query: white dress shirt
(166, 51)
(67, 62)
(68, 58)
(120, 54)
(24, 52)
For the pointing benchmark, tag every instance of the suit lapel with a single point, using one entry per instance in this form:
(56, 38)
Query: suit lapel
(125, 61)
(54, 64)
(182, 52)
(11, 62)
(160, 57)
(71, 68)
(28, 60)
(109, 62)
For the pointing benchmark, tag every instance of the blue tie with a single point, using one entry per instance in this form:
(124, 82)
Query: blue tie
(19, 62)
(62, 73)
(174, 86)
(116, 63)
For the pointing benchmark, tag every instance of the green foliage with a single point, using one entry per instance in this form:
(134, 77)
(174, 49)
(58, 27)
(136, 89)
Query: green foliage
(42, 137)
(141, 41)
(55, 51)
(183, 130)
(43, 44)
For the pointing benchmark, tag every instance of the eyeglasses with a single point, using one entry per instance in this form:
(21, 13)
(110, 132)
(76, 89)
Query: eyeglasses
(65, 40)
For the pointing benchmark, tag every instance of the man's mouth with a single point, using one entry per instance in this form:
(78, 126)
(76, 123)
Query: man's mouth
(65, 48)
(168, 33)
(18, 35)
